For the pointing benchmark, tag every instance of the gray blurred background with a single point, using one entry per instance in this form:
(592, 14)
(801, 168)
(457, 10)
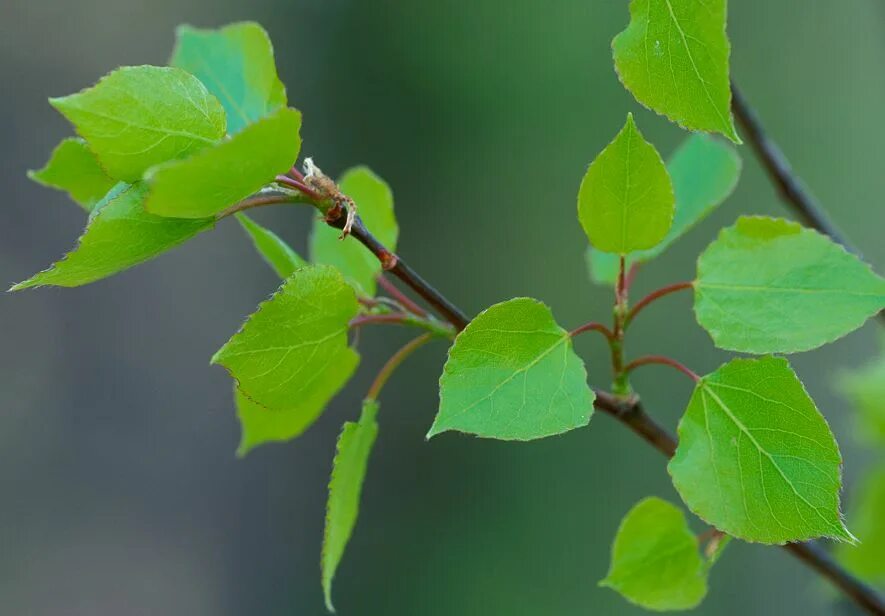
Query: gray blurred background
(121, 492)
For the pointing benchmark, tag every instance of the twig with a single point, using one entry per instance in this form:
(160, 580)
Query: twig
(394, 362)
(401, 318)
(593, 326)
(664, 361)
(401, 297)
(653, 296)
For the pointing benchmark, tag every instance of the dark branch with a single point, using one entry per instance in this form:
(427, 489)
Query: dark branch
(399, 268)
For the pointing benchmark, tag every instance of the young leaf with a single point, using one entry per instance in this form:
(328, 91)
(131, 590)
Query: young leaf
(770, 286)
(756, 458)
(704, 172)
(348, 473)
(278, 254)
(219, 176)
(626, 199)
(120, 234)
(867, 558)
(656, 561)
(140, 116)
(260, 425)
(281, 353)
(673, 57)
(236, 64)
(866, 390)
(374, 202)
(512, 374)
(75, 170)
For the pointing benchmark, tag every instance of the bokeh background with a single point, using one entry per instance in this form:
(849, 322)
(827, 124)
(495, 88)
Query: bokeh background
(120, 490)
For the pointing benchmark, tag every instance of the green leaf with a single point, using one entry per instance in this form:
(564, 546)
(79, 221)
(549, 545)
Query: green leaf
(281, 353)
(867, 558)
(220, 175)
(260, 425)
(626, 199)
(348, 473)
(140, 116)
(656, 561)
(704, 172)
(866, 390)
(374, 202)
(75, 170)
(769, 286)
(120, 234)
(236, 64)
(673, 57)
(278, 254)
(512, 374)
(756, 458)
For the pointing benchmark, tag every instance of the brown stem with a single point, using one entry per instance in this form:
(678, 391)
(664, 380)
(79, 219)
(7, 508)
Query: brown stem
(631, 413)
(655, 295)
(257, 201)
(394, 362)
(663, 360)
(399, 268)
(401, 297)
(402, 318)
(593, 326)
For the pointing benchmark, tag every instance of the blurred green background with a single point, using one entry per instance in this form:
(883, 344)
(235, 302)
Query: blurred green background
(121, 492)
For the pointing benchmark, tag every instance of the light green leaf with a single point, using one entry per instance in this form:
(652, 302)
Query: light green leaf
(512, 374)
(345, 487)
(140, 116)
(704, 172)
(866, 390)
(867, 558)
(374, 202)
(220, 175)
(656, 561)
(756, 458)
(626, 199)
(236, 64)
(673, 57)
(281, 353)
(769, 286)
(278, 254)
(75, 170)
(260, 425)
(120, 234)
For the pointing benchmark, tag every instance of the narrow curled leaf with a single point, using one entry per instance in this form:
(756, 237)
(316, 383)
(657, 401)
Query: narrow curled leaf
(656, 561)
(119, 234)
(281, 353)
(673, 57)
(512, 374)
(260, 425)
(348, 473)
(75, 170)
(768, 285)
(866, 390)
(626, 199)
(140, 116)
(278, 254)
(236, 64)
(867, 558)
(704, 172)
(374, 201)
(220, 175)
(756, 458)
